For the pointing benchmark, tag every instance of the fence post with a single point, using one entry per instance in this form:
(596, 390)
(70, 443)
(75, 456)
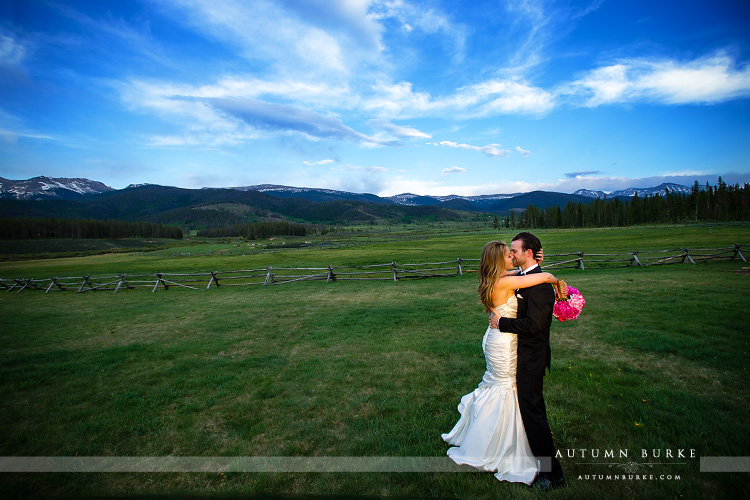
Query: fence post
(85, 282)
(54, 282)
(635, 258)
(122, 280)
(27, 283)
(159, 279)
(331, 276)
(737, 252)
(686, 255)
(580, 261)
(269, 276)
(460, 271)
(395, 276)
(213, 279)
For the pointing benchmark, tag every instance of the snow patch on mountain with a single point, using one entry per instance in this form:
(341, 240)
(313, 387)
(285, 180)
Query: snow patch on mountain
(50, 188)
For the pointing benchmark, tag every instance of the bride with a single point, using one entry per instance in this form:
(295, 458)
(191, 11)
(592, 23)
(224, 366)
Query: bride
(490, 433)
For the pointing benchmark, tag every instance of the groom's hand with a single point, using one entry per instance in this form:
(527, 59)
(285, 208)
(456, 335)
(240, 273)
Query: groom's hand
(539, 255)
(494, 318)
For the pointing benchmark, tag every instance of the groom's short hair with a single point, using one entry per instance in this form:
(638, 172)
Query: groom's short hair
(529, 242)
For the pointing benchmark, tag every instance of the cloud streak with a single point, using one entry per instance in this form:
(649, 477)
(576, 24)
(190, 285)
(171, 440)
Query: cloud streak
(397, 130)
(490, 149)
(582, 173)
(453, 170)
(321, 162)
(279, 117)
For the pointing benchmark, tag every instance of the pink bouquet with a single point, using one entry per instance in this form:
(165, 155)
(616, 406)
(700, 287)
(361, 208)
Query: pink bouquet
(569, 308)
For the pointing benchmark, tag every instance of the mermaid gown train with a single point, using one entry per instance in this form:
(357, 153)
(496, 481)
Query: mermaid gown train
(490, 433)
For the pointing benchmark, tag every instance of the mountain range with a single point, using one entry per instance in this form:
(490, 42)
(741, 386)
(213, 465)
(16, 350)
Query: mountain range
(46, 188)
(218, 207)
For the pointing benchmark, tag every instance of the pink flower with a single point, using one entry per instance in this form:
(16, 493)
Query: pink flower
(569, 309)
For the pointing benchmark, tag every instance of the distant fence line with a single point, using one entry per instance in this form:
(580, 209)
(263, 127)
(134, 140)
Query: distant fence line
(391, 271)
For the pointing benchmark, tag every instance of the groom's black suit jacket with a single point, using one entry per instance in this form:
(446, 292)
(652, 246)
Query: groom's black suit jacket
(532, 324)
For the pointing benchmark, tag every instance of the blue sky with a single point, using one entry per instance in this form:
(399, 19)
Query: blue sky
(378, 96)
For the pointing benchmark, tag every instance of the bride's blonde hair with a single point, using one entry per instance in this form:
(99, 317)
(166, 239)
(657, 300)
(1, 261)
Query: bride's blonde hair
(491, 267)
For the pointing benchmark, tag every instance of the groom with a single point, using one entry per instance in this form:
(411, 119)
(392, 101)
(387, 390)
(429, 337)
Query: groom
(532, 325)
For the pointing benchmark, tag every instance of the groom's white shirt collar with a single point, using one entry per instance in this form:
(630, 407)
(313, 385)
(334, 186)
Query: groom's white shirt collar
(526, 271)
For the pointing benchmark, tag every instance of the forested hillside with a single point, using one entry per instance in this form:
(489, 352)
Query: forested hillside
(718, 203)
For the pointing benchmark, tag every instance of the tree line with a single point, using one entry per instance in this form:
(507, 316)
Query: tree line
(718, 203)
(32, 228)
(256, 230)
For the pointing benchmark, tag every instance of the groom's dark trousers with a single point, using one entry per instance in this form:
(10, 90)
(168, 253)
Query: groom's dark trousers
(532, 326)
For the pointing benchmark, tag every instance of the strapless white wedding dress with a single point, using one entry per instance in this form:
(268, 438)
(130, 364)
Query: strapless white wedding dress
(490, 433)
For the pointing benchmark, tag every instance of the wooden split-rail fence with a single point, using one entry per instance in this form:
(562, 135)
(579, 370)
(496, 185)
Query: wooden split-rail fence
(391, 271)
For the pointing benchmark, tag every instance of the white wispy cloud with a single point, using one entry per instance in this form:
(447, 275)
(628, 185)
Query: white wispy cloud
(453, 170)
(581, 173)
(116, 38)
(12, 52)
(320, 162)
(194, 123)
(489, 150)
(489, 98)
(404, 184)
(12, 136)
(262, 31)
(706, 80)
(397, 130)
(327, 39)
(533, 27)
(358, 21)
(374, 169)
(523, 152)
(201, 139)
(12, 129)
(290, 88)
(511, 97)
(428, 19)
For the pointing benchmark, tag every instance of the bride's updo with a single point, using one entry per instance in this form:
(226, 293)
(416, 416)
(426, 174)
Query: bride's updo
(491, 267)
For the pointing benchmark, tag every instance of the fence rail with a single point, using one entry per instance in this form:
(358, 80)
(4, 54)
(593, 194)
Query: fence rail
(383, 272)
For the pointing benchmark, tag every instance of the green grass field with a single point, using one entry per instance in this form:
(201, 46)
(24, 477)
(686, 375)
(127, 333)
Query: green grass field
(658, 360)
(374, 247)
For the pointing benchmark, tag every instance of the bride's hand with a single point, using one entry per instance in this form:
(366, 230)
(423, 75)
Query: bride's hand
(539, 255)
(562, 289)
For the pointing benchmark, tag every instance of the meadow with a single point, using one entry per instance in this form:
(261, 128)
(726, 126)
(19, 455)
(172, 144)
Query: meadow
(658, 360)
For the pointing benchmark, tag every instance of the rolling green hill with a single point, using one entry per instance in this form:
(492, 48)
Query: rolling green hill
(202, 208)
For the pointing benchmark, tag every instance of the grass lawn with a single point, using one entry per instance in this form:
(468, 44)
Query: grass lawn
(658, 360)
